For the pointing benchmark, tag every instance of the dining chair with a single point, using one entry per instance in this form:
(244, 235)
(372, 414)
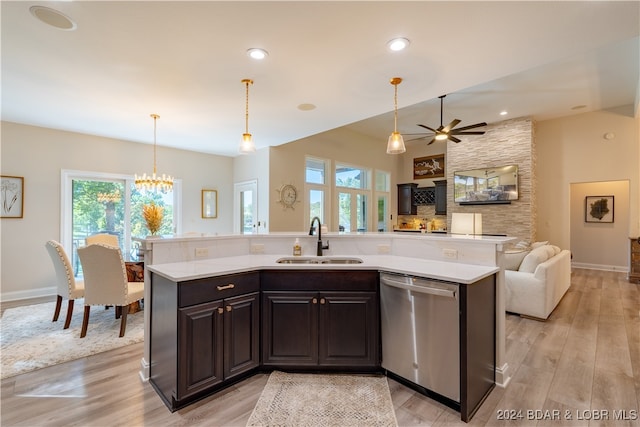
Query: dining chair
(68, 286)
(105, 283)
(104, 238)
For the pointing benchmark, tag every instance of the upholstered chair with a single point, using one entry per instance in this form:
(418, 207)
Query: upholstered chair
(68, 286)
(104, 238)
(105, 283)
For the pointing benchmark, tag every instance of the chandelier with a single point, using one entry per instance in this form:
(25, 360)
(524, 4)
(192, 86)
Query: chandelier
(246, 144)
(154, 182)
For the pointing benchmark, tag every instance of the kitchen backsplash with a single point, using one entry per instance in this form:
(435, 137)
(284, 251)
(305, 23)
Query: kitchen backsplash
(426, 217)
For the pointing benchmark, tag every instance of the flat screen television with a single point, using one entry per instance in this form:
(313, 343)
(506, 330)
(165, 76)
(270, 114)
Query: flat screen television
(496, 185)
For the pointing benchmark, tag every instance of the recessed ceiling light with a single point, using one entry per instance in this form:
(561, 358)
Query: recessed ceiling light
(504, 113)
(257, 53)
(397, 44)
(53, 17)
(306, 107)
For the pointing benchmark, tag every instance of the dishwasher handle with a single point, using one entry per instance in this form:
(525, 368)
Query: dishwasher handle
(449, 293)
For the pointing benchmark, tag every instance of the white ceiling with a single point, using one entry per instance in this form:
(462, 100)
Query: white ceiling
(185, 60)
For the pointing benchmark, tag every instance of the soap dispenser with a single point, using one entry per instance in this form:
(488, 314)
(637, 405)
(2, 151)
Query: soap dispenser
(297, 249)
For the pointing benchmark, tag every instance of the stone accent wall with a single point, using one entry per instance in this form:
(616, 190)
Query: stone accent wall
(504, 143)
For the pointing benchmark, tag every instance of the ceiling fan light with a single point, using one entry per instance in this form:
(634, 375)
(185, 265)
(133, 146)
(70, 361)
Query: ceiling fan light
(246, 144)
(395, 145)
(441, 136)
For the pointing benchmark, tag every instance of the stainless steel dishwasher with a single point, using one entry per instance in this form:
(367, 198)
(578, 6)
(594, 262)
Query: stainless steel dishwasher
(421, 332)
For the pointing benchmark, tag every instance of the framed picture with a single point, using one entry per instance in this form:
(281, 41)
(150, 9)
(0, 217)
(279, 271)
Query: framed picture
(209, 203)
(12, 195)
(598, 209)
(428, 167)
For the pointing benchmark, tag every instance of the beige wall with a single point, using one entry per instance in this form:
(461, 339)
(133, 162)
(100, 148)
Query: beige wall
(600, 245)
(573, 150)
(39, 155)
(287, 167)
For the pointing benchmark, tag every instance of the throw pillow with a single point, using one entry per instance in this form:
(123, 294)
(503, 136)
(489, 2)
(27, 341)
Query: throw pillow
(513, 259)
(538, 244)
(522, 245)
(533, 258)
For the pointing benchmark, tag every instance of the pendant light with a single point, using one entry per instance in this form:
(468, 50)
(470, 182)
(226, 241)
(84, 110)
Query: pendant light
(395, 145)
(154, 182)
(246, 145)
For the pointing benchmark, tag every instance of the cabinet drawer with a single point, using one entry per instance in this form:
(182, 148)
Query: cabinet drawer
(210, 289)
(319, 280)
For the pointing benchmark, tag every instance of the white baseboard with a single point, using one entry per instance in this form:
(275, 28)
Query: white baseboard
(502, 375)
(602, 267)
(33, 293)
(144, 370)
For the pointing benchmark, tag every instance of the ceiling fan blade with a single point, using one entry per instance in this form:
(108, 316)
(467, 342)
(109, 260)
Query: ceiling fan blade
(431, 142)
(415, 139)
(455, 132)
(453, 138)
(477, 125)
(450, 126)
(427, 127)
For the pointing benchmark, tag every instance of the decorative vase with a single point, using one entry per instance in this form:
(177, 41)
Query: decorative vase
(153, 215)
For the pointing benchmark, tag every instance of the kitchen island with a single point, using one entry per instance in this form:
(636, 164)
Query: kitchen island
(191, 303)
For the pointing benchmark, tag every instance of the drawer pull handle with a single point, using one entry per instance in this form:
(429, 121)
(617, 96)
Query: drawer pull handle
(220, 310)
(315, 300)
(225, 287)
(228, 308)
(322, 301)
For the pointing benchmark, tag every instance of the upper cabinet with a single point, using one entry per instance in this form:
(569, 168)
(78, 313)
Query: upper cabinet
(441, 197)
(406, 205)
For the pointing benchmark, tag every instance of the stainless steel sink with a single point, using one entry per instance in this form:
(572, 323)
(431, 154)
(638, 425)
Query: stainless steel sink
(319, 260)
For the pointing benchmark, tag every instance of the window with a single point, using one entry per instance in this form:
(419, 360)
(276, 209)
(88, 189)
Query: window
(382, 185)
(95, 203)
(316, 188)
(352, 186)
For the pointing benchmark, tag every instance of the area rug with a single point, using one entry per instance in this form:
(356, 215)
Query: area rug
(30, 340)
(303, 400)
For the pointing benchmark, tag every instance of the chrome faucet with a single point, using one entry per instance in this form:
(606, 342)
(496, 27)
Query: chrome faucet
(321, 246)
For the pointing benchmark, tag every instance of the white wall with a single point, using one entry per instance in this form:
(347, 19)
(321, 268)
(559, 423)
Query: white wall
(39, 155)
(603, 246)
(573, 150)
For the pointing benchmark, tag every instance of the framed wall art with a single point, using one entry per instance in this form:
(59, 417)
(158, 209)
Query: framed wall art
(209, 203)
(12, 196)
(428, 167)
(598, 209)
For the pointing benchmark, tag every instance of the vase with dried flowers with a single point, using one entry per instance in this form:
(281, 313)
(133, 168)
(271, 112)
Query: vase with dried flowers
(153, 215)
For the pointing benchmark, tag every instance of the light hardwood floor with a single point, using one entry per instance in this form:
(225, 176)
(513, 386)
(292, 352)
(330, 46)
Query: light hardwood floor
(583, 363)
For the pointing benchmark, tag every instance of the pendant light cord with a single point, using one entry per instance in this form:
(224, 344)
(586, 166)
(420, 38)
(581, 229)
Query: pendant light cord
(246, 105)
(155, 117)
(395, 108)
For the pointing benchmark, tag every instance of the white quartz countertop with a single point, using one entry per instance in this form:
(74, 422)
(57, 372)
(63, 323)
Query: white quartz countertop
(442, 270)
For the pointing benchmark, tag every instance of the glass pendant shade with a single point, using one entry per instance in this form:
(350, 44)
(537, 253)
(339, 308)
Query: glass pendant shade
(246, 144)
(395, 145)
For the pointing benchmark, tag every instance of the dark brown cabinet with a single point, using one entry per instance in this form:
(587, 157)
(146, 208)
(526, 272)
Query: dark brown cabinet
(634, 259)
(318, 325)
(405, 199)
(441, 197)
(204, 333)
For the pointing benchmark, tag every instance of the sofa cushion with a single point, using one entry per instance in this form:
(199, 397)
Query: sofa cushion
(538, 244)
(513, 259)
(533, 258)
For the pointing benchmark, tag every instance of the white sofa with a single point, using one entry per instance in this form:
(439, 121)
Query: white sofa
(535, 286)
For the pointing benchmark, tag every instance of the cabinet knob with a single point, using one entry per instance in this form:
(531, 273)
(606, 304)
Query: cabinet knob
(315, 300)
(228, 308)
(229, 286)
(322, 301)
(220, 310)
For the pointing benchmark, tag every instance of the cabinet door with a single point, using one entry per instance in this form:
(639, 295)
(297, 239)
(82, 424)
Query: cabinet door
(348, 327)
(405, 199)
(200, 355)
(241, 334)
(441, 197)
(289, 328)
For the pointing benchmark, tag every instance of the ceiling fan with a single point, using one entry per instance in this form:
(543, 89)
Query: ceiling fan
(448, 132)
